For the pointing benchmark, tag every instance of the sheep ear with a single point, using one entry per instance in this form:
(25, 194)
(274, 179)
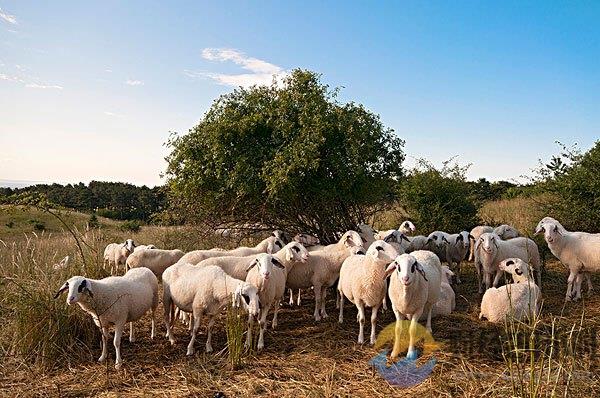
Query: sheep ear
(252, 264)
(404, 237)
(539, 228)
(444, 239)
(61, 290)
(270, 247)
(390, 268)
(391, 238)
(471, 237)
(277, 263)
(289, 254)
(419, 268)
(459, 238)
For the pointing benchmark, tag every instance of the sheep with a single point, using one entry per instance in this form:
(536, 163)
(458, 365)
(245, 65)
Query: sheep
(407, 228)
(157, 260)
(456, 250)
(437, 242)
(143, 247)
(269, 245)
(517, 300)
(367, 234)
(203, 291)
(578, 251)
(322, 270)
(116, 254)
(418, 242)
(397, 239)
(506, 231)
(414, 289)
(476, 233)
(362, 282)
(491, 250)
(306, 240)
(114, 301)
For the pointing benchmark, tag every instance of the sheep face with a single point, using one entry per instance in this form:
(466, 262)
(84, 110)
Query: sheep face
(383, 251)
(551, 228)
(463, 239)
(408, 269)
(396, 237)
(129, 245)
(294, 251)
(351, 238)
(407, 227)
(265, 263)
(79, 290)
(274, 244)
(247, 294)
(437, 239)
(515, 266)
(488, 242)
(279, 234)
(307, 240)
(366, 232)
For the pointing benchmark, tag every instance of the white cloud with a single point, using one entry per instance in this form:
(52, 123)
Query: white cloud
(262, 72)
(131, 82)
(11, 78)
(7, 17)
(112, 114)
(43, 86)
(108, 70)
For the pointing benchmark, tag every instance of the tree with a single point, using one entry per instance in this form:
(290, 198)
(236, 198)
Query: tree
(286, 156)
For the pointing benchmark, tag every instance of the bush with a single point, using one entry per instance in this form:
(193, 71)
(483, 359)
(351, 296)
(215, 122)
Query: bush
(10, 224)
(439, 199)
(37, 225)
(93, 222)
(130, 226)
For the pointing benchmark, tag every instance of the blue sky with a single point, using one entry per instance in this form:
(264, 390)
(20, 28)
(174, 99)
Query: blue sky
(91, 91)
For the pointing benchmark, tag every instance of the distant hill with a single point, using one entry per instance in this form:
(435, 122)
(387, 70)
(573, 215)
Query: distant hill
(18, 183)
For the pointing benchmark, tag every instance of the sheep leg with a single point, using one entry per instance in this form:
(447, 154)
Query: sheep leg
(317, 313)
(291, 297)
(497, 278)
(211, 322)
(131, 333)
(299, 292)
(277, 304)
(117, 344)
(341, 305)
(323, 301)
(361, 321)
(153, 331)
(248, 343)
(397, 336)
(458, 281)
(428, 309)
(190, 318)
(337, 299)
(570, 293)
(190, 348)
(488, 279)
(169, 315)
(374, 311)
(262, 323)
(412, 333)
(105, 336)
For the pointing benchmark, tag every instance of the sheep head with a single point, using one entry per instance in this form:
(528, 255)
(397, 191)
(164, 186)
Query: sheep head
(295, 251)
(382, 251)
(247, 295)
(79, 290)
(408, 269)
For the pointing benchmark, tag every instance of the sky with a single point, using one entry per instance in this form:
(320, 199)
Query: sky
(92, 91)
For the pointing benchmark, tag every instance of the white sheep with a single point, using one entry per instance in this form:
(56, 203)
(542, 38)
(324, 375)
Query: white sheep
(306, 240)
(367, 234)
(143, 247)
(437, 241)
(116, 254)
(447, 301)
(157, 260)
(456, 250)
(407, 228)
(114, 301)
(269, 245)
(491, 250)
(506, 231)
(322, 269)
(476, 233)
(203, 291)
(418, 242)
(362, 281)
(517, 300)
(397, 239)
(414, 289)
(578, 251)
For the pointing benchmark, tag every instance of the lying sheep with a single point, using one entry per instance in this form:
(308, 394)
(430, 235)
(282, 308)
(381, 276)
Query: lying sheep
(415, 284)
(491, 250)
(362, 281)
(322, 269)
(456, 250)
(506, 232)
(203, 292)
(517, 300)
(578, 251)
(114, 301)
(447, 301)
(116, 254)
(269, 245)
(476, 233)
(157, 260)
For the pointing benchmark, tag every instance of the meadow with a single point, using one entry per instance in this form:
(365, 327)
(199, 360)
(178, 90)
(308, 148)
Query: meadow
(50, 349)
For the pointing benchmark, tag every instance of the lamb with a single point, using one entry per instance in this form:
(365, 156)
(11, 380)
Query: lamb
(517, 300)
(506, 231)
(203, 291)
(114, 301)
(116, 254)
(143, 247)
(578, 251)
(414, 289)
(476, 233)
(157, 260)
(491, 250)
(322, 270)
(437, 242)
(362, 281)
(269, 245)
(456, 250)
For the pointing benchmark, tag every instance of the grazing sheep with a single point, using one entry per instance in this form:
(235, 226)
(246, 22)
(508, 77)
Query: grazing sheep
(578, 251)
(114, 301)
(116, 254)
(517, 300)
(476, 233)
(269, 245)
(414, 290)
(203, 292)
(362, 281)
(456, 250)
(322, 269)
(491, 250)
(143, 247)
(437, 242)
(157, 260)
(506, 231)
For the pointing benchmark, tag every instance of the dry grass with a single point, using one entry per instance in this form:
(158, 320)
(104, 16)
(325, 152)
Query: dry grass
(521, 213)
(302, 358)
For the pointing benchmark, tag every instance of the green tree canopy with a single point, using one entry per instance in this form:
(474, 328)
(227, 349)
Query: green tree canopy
(287, 156)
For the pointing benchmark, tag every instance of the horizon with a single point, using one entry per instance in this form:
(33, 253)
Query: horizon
(92, 91)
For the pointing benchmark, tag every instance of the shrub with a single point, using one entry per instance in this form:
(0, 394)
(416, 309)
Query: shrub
(10, 224)
(130, 226)
(93, 222)
(37, 225)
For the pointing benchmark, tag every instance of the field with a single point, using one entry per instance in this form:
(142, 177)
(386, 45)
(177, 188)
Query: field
(50, 349)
